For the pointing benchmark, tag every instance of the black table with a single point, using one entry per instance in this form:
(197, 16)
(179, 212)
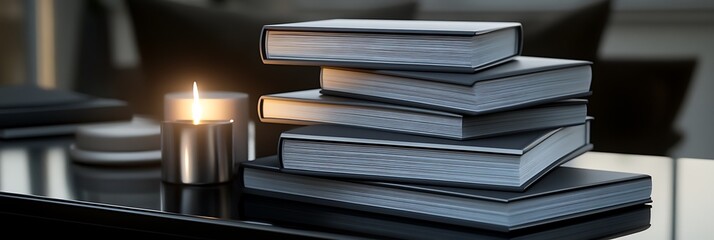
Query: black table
(41, 187)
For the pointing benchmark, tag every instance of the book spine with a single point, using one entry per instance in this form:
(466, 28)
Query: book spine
(519, 51)
(280, 151)
(241, 173)
(263, 118)
(260, 108)
(262, 46)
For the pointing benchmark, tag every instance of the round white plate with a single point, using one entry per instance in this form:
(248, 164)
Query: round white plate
(137, 135)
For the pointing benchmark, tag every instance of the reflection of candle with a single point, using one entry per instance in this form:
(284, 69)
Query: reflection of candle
(132, 186)
(216, 200)
(214, 106)
(197, 151)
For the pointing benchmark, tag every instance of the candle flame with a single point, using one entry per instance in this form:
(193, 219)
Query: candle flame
(196, 106)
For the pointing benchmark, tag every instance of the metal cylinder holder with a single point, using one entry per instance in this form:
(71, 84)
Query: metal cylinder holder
(196, 153)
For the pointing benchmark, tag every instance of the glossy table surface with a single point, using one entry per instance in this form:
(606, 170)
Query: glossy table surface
(40, 171)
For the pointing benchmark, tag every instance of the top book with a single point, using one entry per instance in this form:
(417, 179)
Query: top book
(443, 46)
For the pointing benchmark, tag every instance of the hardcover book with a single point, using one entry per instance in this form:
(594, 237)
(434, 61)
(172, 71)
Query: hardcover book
(524, 81)
(509, 163)
(286, 213)
(565, 193)
(310, 107)
(445, 46)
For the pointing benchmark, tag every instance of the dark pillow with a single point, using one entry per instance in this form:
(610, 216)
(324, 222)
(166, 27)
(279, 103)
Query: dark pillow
(635, 103)
(217, 46)
(573, 32)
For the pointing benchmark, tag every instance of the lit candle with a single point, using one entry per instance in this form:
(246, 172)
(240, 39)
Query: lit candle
(215, 105)
(197, 151)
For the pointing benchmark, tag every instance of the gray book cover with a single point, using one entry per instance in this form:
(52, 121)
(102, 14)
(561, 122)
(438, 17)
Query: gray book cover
(313, 96)
(513, 144)
(560, 180)
(521, 188)
(415, 28)
(512, 71)
(520, 65)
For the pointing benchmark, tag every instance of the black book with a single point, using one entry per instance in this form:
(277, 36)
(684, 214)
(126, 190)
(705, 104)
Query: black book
(445, 46)
(524, 81)
(565, 193)
(292, 214)
(310, 107)
(29, 111)
(507, 163)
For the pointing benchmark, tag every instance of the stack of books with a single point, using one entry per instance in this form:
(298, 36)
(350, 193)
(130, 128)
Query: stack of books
(434, 120)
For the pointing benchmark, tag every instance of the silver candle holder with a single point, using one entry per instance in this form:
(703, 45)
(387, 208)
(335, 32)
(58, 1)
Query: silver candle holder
(197, 153)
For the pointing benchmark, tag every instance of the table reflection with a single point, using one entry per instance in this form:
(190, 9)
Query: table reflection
(125, 186)
(41, 167)
(36, 167)
(660, 168)
(286, 213)
(14, 170)
(216, 200)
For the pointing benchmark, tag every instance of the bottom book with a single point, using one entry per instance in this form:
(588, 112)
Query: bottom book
(565, 193)
(292, 214)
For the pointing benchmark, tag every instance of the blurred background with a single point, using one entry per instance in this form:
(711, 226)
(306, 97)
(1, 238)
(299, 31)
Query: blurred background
(653, 60)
